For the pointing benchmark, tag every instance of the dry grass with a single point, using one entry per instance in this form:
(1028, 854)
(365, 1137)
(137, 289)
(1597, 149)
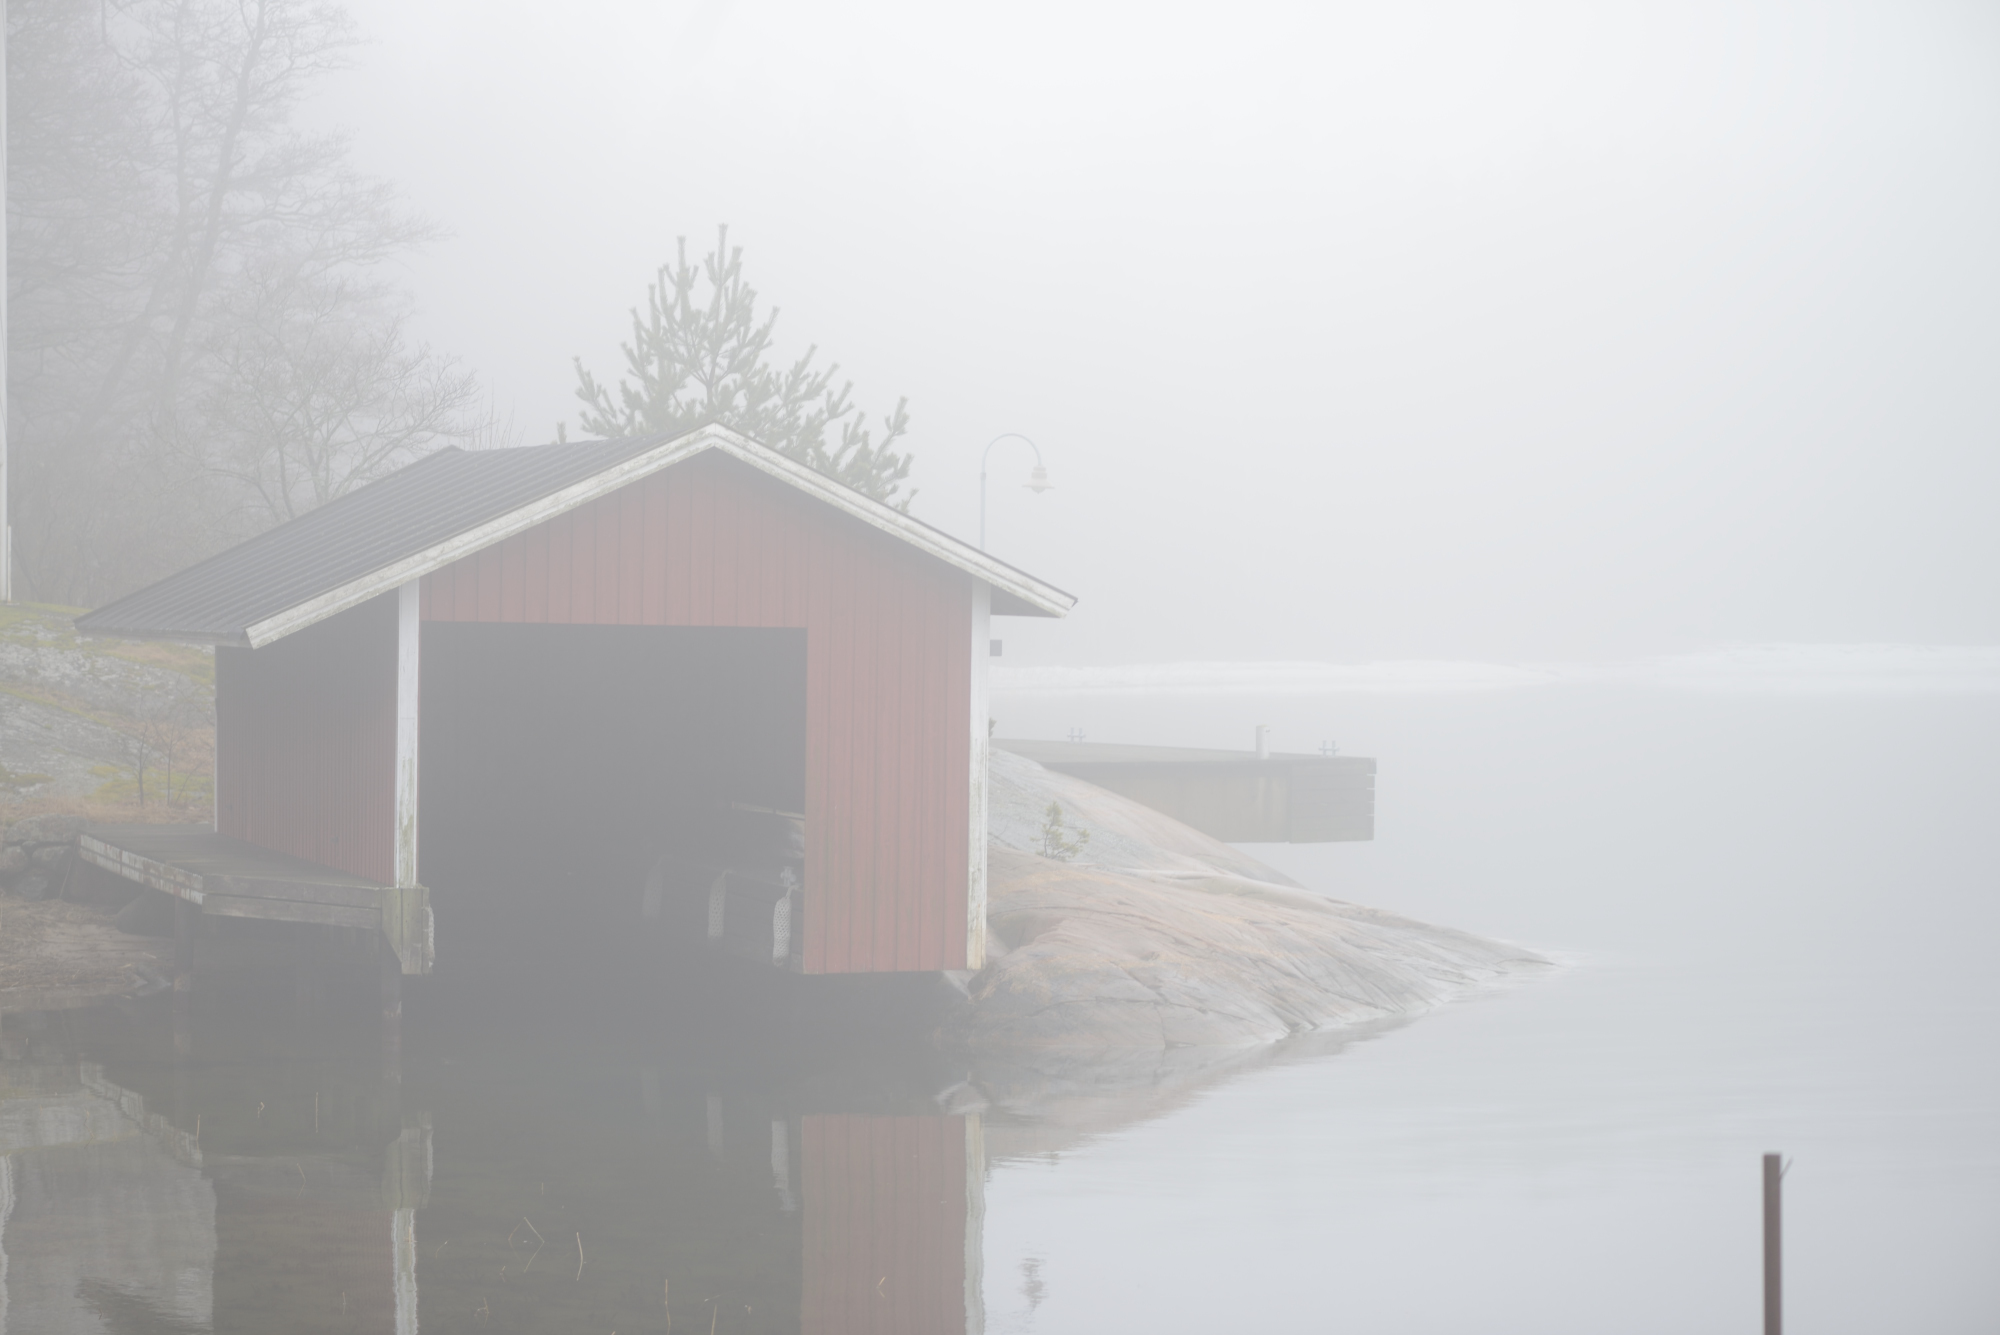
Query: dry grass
(107, 813)
(45, 623)
(166, 726)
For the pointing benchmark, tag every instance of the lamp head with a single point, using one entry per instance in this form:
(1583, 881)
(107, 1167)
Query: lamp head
(1038, 481)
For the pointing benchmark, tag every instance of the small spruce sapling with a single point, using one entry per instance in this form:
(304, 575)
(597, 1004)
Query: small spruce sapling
(1058, 841)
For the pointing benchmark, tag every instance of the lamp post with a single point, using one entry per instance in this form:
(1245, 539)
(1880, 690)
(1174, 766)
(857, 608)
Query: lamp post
(1038, 481)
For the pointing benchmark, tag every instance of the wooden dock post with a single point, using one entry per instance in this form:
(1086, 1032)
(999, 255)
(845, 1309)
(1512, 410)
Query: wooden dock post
(306, 950)
(183, 945)
(392, 1013)
(184, 916)
(1774, 1256)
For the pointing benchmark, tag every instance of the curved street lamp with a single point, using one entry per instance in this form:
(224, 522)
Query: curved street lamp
(1038, 481)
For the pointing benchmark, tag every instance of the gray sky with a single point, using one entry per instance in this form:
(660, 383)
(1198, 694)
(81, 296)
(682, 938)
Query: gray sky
(1387, 330)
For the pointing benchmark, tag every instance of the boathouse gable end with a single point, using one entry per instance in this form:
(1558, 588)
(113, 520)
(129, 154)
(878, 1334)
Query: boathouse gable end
(319, 625)
(888, 677)
(454, 503)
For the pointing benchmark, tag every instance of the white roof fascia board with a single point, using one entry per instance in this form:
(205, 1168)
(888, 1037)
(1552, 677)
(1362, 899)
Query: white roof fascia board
(178, 637)
(894, 522)
(499, 529)
(414, 566)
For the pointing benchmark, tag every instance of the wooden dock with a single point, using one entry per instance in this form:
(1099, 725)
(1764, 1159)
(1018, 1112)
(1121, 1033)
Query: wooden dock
(1239, 797)
(217, 875)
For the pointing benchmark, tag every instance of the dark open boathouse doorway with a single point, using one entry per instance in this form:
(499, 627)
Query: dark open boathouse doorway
(578, 781)
(641, 678)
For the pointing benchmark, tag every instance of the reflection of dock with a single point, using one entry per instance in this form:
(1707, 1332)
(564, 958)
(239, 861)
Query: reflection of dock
(321, 1241)
(1239, 797)
(275, 1181)
(117, 1216)
(105, 1213)
(789, 1194)
(269, 1178)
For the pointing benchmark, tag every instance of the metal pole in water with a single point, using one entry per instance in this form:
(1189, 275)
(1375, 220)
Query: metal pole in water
(1774, 1255)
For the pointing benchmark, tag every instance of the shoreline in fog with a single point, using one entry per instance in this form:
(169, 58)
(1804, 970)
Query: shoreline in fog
(1862, 669)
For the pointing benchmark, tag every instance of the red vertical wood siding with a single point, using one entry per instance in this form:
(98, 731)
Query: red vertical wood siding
(883, 1208)
(290, 1260)
(713, 542)
(305, 742)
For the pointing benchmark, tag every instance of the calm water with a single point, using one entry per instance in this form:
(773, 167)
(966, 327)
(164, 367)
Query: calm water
(1778, 917)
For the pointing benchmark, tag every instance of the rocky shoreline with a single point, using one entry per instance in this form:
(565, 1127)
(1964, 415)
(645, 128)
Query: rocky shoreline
(63, 942)
(1112, 929)
(1151, 936)
(55, 955)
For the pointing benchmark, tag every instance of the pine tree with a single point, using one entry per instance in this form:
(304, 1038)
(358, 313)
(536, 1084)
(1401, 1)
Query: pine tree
(701, 353)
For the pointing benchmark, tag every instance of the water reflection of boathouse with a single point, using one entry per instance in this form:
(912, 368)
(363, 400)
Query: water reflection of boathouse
(689, 665)
(124, 1212)
(226, 1192)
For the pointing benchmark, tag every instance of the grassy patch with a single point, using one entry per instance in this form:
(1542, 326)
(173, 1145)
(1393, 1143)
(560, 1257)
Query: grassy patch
(191, 792)
(15, 781)
(104, 813)
(189, 660)
(68, 704)
(47, 626)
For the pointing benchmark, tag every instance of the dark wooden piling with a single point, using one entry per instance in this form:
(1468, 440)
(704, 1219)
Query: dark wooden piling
(1774, 1278)
(184, 925)
(183, 945)
(304, 960)
(392, 1014)
(311, 945)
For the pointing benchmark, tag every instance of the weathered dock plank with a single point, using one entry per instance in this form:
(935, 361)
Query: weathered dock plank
(303, 892)
(1234, 796)
(281, 910)
(227, 877)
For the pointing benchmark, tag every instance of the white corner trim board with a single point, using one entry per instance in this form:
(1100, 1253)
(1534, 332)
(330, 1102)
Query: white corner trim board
(981, 749)
(409, 637)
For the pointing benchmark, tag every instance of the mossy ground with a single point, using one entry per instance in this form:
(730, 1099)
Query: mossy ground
(133, 721)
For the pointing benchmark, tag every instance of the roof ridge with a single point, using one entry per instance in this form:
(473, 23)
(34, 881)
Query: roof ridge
(453, 502)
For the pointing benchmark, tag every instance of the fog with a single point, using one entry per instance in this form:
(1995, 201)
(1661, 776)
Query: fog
(1347, 332)
(1564, 432)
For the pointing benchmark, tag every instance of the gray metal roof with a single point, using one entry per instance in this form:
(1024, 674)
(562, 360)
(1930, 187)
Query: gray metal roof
(412, 509)
(415, 511)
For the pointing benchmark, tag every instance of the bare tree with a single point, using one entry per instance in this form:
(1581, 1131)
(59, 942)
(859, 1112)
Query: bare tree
(316, 389)
(82, 230)
(173, 729)
(202, 344)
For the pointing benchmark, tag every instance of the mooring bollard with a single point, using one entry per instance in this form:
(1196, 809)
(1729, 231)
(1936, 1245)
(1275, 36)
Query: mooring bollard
(1774, 1255)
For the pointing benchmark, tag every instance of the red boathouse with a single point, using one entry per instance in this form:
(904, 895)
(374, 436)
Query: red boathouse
(691, 651)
